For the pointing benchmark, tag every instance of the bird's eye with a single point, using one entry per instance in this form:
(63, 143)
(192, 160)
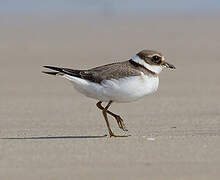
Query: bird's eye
(156, 59)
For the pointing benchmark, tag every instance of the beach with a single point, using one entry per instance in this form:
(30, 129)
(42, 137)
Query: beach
(50, 131)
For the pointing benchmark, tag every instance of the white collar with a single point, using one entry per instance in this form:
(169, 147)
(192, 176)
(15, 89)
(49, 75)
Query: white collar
(153, 68)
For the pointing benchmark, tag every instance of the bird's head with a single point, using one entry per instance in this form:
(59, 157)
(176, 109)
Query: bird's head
(152, 60)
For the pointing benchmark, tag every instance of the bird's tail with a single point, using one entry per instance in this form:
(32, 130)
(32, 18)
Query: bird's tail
(50, 72)
(62, 71)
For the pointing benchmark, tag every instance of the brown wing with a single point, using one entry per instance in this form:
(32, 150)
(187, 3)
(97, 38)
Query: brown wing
(98, 74)
(109, 71)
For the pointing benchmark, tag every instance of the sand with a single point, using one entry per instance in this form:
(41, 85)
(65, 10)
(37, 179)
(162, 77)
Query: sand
(49, 131)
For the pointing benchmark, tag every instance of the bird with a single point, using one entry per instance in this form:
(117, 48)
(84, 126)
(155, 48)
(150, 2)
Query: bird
(119, 82)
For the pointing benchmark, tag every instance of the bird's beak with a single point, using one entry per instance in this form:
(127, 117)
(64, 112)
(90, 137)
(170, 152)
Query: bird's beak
(168, 65)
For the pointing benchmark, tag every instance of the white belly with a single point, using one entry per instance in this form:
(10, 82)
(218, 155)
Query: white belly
(120, 90)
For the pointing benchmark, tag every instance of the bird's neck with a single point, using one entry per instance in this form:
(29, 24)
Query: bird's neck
(154, 68)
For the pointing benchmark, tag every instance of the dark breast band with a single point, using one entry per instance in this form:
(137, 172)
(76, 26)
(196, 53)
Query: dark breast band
(141, 66)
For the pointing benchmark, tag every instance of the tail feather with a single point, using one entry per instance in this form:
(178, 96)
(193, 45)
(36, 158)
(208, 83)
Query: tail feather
(54, 68)
(58, 70)
(51, 73)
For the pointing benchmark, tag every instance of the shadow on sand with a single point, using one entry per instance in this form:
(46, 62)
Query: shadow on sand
(57, 137)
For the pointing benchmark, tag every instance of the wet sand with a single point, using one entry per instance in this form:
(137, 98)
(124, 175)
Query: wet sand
(49, 131)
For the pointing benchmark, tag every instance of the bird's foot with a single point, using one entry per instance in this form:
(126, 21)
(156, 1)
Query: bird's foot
(121, 123)
(113, 135)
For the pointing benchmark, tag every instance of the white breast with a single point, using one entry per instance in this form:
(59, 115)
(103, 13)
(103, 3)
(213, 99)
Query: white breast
(120, 90)
(130, 88)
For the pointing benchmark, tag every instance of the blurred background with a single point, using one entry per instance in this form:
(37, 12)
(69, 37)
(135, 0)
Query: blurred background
(84, 34)
(106, 29)
(182, 117)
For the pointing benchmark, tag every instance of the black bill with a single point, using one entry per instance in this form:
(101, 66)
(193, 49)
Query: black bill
(168, 65)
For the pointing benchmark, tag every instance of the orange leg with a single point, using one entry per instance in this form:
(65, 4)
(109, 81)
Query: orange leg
(104, 112)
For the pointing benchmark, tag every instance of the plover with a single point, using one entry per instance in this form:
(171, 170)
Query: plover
(118, 82)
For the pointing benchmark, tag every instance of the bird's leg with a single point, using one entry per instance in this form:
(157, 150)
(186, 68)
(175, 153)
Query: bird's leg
(104, 112)
(106, 118)
(119, 120)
